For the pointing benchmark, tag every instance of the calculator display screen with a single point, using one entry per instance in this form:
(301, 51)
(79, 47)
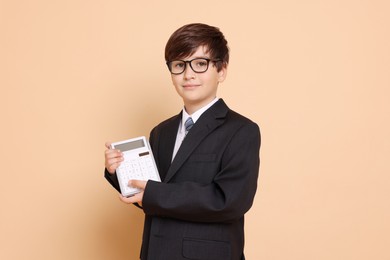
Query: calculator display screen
(130, 145)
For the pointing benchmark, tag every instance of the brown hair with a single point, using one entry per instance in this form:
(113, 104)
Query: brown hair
(186, 40)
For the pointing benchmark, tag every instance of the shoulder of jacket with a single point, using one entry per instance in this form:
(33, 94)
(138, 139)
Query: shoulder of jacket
(167, 122)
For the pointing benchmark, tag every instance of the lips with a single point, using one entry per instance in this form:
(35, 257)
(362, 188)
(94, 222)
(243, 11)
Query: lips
(189, 86)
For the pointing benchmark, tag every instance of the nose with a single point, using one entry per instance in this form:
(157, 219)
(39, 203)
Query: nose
(188, 72)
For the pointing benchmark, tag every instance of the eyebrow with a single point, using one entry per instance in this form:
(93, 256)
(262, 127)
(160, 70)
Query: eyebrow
(197, 57)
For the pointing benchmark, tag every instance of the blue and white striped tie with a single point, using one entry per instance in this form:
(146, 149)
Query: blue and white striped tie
(188, 124)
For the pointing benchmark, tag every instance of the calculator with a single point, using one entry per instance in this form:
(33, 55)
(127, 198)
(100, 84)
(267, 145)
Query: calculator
(138, 164)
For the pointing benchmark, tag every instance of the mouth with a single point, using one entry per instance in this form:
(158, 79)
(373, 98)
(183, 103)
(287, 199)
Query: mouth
(190, 86)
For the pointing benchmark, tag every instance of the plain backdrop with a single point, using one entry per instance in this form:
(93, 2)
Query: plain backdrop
(313, 74)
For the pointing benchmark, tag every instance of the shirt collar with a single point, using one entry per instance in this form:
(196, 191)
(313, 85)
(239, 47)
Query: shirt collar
(195, 116)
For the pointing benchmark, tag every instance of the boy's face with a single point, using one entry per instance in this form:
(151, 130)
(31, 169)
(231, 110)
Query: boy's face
(198, 89)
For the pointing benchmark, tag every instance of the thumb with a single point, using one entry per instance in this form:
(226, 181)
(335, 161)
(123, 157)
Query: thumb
(137, 184)
(108, 145)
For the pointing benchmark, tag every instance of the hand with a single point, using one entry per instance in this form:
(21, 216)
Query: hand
(137, 198)
(113, 158)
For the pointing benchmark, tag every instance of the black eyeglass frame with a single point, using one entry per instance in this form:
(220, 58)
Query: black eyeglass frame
(189, 62)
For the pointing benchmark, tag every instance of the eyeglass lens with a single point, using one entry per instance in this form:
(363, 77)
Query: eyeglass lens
(197, 65)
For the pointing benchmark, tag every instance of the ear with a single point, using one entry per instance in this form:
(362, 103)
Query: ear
(222, 74)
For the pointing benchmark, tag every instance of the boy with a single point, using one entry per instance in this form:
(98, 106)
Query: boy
(207, 157)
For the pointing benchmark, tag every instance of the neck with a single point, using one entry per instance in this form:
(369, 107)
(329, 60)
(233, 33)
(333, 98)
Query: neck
(193, 107)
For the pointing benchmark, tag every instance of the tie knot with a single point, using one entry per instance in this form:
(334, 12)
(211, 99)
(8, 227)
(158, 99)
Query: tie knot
(188, 124)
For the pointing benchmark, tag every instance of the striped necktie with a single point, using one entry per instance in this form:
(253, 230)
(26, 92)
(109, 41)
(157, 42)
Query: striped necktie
(188, 124)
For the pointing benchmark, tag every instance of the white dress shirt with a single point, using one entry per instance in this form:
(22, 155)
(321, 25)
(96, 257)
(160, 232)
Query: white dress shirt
(181, 132)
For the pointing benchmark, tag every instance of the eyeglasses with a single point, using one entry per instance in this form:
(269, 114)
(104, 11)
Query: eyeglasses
(198, 65)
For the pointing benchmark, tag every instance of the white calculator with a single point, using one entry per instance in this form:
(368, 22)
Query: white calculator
(138, 164)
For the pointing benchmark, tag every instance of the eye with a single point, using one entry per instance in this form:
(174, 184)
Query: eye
(178, 64)
(201, 63)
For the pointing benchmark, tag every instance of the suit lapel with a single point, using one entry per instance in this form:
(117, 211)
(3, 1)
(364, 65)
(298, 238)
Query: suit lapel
(208, 122)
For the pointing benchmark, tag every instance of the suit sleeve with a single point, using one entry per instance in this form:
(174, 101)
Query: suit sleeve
(227, 198)
(112, 179)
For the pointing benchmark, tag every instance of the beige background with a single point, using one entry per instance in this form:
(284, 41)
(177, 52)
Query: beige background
(313, 74)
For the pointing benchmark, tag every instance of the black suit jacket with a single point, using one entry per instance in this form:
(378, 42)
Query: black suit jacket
(197, 211)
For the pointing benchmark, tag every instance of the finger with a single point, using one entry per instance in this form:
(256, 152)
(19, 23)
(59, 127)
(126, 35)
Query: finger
(112, 168)
(127, 200)
(108, 145)
(113, 164)
(137, 184)
(114, 159)
(111, 153)
(133, 199)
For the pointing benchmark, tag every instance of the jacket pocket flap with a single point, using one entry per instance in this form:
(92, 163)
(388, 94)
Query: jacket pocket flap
(205, 249)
